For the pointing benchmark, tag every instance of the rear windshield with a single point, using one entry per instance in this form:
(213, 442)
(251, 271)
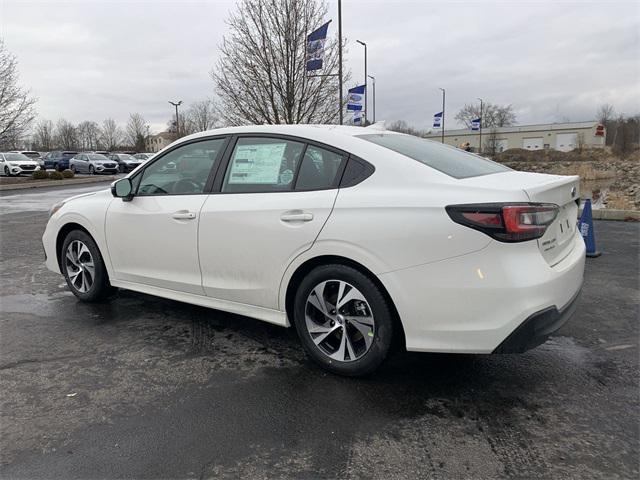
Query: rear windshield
(446, 159)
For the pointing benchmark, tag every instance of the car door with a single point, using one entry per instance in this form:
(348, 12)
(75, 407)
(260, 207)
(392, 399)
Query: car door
(80, 163)
(153, 238)
(265, 210)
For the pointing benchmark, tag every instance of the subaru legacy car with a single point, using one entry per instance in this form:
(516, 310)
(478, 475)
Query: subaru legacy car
(354, 236)
(12, 163)
(93, 163)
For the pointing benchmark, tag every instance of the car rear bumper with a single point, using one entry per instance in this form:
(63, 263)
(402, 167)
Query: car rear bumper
(536, 329)
(472, 303)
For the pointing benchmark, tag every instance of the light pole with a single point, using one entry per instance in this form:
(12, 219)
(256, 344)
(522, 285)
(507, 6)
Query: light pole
(366, 90)
(177, 118)
(480, 141)
(374, 96)
(443, 96)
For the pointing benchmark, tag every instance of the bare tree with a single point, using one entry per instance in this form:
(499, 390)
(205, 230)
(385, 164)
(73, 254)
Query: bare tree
(137, 132)
(43, 135)
(66, 135)
(186, 126)
(17, 106)
(88, 135)
(492, 115)
(403, 127)
(111, 134)
(202, 116)
(492, 144)
(261, 74)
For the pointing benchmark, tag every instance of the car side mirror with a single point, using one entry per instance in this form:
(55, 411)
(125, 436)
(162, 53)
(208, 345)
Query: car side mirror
(122, 189)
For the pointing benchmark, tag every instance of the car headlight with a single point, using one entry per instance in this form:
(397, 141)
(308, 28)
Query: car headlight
(55, 208)
(13, 164)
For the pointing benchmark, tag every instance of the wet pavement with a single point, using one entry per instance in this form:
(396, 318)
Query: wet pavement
(143, 387)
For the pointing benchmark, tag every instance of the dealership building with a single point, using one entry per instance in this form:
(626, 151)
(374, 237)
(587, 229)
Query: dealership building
(557, 136)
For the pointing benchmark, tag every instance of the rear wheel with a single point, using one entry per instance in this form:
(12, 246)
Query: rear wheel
(343, 320)
(83, 267)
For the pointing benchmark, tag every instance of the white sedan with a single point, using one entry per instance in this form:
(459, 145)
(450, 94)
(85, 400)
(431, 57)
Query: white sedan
(355, 236)
(13, 163)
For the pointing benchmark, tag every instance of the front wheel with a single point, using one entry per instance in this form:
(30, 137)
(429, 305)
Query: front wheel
(343, 320)
(91, 170)
(7, 172)
(83, 267)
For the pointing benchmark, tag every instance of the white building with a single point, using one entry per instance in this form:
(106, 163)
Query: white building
(558, 136)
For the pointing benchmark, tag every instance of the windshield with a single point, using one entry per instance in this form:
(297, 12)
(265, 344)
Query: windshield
(97, 157)
(444, 158)
(125, 156)
(69, 154)
(14, 157)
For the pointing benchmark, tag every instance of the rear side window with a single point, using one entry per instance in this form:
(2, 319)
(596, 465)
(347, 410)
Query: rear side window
(319, 169)
(262, 165)
(446, 159)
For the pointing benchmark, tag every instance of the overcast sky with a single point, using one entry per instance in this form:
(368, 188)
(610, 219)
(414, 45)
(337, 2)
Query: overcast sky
(554, 61)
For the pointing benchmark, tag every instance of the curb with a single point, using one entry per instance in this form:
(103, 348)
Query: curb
(619, 215)
(57, 183)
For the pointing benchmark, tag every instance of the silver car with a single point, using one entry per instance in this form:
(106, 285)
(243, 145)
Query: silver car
(93, 163)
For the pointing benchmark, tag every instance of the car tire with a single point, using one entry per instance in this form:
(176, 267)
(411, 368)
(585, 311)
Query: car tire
(73, 169)
(367, 345)
(91, 170)
(7, 172)
(89, 284)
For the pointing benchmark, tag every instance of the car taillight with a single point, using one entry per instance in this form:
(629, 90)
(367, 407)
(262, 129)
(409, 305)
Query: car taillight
(513, 222)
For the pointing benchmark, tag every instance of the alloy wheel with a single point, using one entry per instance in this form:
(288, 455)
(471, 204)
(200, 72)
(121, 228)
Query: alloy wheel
(80, 267)
(339, 320)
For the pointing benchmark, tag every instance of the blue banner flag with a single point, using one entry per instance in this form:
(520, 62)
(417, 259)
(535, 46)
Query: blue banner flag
(355, 98)
(315, 47)
(357, 118)
(437, 120)
(475, 124)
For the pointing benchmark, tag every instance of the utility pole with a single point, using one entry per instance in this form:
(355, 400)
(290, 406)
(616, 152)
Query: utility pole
(340, 59)
(480, 142)
(177, 118)
(443, 94)
(366, 90)
(374, 97)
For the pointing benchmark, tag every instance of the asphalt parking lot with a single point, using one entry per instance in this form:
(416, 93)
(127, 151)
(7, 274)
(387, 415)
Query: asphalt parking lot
(143, 387)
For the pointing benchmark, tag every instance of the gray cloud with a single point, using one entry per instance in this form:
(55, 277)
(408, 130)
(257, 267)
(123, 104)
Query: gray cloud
(551, 60)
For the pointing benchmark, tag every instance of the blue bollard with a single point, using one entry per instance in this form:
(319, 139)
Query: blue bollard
(586, 230)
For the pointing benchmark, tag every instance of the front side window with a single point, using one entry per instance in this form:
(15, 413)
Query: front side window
(262, 165)
(183, 171)
(449, 160)
(319, 169)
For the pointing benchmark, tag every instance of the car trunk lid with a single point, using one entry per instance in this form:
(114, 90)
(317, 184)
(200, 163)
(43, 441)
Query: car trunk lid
(560, 190)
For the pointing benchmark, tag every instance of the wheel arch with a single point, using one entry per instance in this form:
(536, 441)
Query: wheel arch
(62, 234)
(303, 269)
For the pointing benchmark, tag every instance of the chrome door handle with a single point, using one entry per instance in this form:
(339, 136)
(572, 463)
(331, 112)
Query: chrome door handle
(296, 217)
(184, 215)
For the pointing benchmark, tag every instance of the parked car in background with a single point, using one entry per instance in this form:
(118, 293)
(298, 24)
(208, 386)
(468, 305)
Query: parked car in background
(33, 155)
(93, 163)
(126, 162)
(13, 163)
(101, 152)
(352, 235)
(143, 157)
(59, 160)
